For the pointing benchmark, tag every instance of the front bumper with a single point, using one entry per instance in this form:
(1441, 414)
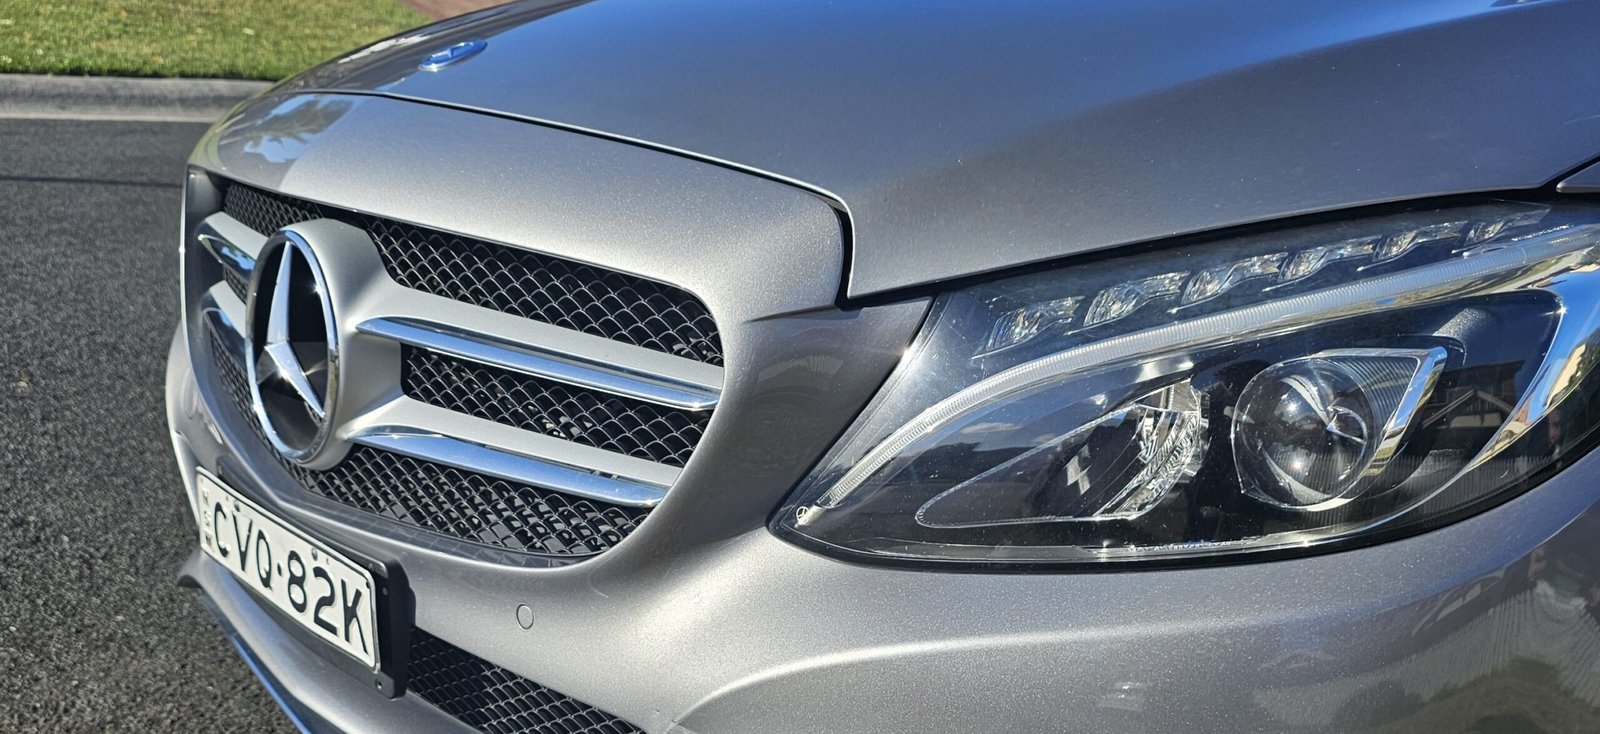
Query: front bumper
(317, 696)
(1488, 622)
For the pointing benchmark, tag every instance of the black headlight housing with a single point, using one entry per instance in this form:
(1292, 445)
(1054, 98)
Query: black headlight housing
(1298, 390)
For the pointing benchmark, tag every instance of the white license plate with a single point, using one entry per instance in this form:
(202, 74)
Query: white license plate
(324, 592)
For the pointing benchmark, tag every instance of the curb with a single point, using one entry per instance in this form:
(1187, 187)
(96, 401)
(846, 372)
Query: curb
(118, 98)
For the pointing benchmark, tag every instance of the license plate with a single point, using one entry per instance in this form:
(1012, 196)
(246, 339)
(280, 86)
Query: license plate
(326, 593)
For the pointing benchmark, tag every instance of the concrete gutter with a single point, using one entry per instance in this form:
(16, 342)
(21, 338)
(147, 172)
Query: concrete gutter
(116, 98)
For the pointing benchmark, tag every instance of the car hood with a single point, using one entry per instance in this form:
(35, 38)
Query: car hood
(965, 137)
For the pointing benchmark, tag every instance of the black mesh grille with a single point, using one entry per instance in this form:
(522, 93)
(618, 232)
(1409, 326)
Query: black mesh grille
(492, 699)
(450, 501)
(263, 212)
(560, 292)
(472, 506)
(237, 283)
(573, 295)
(596, 419)
(234, 380)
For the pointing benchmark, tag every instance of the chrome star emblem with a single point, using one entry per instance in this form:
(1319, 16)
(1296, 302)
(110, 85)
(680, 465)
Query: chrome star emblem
(293, 347)
(452, 54)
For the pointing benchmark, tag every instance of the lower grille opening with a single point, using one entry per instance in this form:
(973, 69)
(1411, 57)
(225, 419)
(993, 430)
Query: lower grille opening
(492, 699)
(457, 503)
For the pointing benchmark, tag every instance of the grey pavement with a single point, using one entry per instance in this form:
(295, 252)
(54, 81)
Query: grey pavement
(94, 634)
(35, 96)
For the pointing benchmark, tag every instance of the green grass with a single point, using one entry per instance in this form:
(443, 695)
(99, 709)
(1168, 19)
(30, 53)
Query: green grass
(244, 39)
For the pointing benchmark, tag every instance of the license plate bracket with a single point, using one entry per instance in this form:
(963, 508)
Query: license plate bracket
(388, 595)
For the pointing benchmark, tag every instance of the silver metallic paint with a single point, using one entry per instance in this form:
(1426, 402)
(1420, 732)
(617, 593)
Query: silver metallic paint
(967, 137)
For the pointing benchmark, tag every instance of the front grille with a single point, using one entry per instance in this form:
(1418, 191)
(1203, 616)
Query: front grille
(631, 427)
(451, 484)
(446, 500)
(564, 293)
(492, 699)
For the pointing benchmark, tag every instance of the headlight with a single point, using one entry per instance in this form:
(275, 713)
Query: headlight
(1310, 387)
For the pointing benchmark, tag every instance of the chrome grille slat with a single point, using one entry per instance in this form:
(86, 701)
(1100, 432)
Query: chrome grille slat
(235, 248)
(480, 445)
(440, 449)
(649, 370)
(634, 428)
(220, 303)
(538, 360)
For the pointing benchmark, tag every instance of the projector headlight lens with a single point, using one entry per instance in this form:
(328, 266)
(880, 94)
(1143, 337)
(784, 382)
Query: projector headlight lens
(1293, 390)
(1318, 430)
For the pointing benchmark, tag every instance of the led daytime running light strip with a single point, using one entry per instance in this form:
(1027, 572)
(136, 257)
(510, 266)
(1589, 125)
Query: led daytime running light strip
(1285, 268)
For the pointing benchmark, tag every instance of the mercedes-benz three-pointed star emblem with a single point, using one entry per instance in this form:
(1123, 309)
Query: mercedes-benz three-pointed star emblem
(293, 348)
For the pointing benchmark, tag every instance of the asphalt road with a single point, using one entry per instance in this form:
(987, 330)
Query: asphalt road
(94, 634)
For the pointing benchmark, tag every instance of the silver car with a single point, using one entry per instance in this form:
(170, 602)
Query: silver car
(779, 366)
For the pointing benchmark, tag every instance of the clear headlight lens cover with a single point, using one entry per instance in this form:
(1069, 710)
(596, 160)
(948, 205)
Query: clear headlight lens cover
(1335, 383)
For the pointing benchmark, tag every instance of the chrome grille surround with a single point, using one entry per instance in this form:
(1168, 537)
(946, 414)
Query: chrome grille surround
(498, 430)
